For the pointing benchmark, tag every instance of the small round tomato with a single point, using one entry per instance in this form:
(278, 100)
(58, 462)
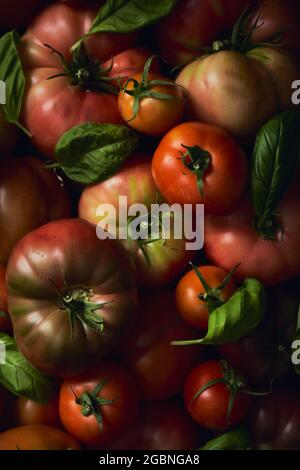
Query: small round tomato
(150, 103)
(159, 367)
(30, 412)
(38, 437)
(214, 397)
(100, 405)
(201, 289)
(5, 324)
(200, 164)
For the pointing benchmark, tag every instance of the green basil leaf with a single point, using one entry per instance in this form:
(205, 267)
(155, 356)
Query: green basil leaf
(239, 439)
(11, 73)
(237, 317)
(20, 377)
(124, 16)
(90, 153)
(274, 162)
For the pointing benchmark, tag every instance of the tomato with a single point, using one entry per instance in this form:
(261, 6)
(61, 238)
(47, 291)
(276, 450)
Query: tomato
(163, 425)
(200, 164)
(208, 392)
(275, 16)
(264, 355)
(194, 24)
(37, 437)
(70, 296)
(240, 92)
(233, 239)
(8, 136)
(158, 262)
(154, 116)
(193, 300)
(29, 412)
(51, 107)
(16, 14)
(100, 405)
(30, 196)
(275, 421)
(5, 323)
(159, 367)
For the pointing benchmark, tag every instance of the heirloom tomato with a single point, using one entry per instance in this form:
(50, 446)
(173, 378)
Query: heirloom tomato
(70, 296)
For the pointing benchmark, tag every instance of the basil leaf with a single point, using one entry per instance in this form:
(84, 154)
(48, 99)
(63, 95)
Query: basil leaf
(11, 73)
(90, 153)
(124, 16)
(237, 317)
(274, 162)
(20, 377)
(238, 439)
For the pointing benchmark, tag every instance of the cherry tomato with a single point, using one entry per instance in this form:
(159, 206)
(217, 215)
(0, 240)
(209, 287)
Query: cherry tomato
(214, 396)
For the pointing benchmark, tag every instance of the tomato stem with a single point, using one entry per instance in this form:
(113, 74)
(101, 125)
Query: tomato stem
(198, 161)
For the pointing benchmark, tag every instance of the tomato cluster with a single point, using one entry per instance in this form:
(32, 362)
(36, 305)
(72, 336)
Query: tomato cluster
(122, 122)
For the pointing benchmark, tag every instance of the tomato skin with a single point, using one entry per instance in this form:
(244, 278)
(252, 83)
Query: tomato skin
(195, 24)
(163, 425)
(210, 408)
(227, 173)
(29, 412)
(240, 102)
(192, 309)
(33, 195)
(5, 323)
(8, 136)
(37, 437)
(16, 14)
(159, 367)
(275, 420)
(232, 239)
(117, 417)
(166, 258)
(51, 107)
(155, 117)
(275, 16)
(60, 270)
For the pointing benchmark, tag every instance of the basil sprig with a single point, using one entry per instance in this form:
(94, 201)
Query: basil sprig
(125, 16)
(90, 153)
(233, 320)
(20, 377)
(274, 162)
(239, 439)
(11, 73)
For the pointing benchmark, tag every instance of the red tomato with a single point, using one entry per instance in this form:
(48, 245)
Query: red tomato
(233, 239)
(30, 196)
(16, 14)
(5, 323)
(158, 262)
(163, 425)
(37, 437)
(208, 402)
(29, 412)
(200, 164)
(100, 405)
(51, 107)
(194, 24)
(193, 300)
(155, 116)
(159, 367)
